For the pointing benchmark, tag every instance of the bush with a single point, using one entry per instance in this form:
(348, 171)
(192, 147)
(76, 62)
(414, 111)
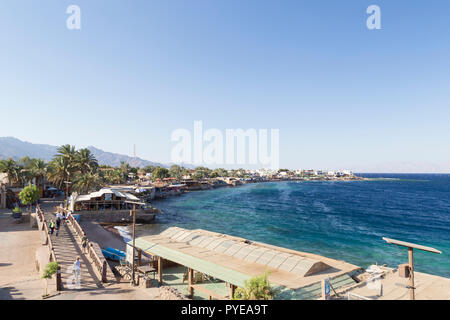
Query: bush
(258, 288)
(50, 269)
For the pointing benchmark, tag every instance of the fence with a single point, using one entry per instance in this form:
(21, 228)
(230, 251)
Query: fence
(93, 249)
(43, 228)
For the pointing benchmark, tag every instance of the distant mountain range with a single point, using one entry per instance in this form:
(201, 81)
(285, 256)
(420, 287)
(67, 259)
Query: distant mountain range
(14, 148)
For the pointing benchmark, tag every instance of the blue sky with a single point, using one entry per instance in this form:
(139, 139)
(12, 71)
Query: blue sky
(342, 96)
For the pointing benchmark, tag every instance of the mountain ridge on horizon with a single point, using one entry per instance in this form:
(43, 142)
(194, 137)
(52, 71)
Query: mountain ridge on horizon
(11, 147)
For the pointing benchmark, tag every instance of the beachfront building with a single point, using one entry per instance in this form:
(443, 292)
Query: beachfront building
(309, 173)
(212, 265)
(104, 199)
(111, 205)
(344, 173)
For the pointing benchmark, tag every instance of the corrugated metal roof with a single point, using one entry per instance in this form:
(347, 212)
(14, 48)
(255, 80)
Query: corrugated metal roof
(101, 192)
(207, 267)
(235, 260)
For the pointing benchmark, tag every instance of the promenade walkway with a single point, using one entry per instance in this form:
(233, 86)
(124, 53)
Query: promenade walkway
(67, 249)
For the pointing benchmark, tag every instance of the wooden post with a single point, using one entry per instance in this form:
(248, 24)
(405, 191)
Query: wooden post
(58, 279)
(139, 257)
(160, 271)
(134, 238)
(411, 274)
(104, 269)
(190, 283)
(232, 290)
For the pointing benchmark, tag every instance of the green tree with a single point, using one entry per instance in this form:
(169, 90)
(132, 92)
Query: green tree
(176, 171)
(12, 170)
(38, 169)
(56, 172)
(29, 195)
(67, 160)
(257, 288)
(83, 183)
(160, 173)
(149, 169)
(220, 172)
(50, 269)
(201, 173)
(125, 170)
(113, 176)
(85, 161)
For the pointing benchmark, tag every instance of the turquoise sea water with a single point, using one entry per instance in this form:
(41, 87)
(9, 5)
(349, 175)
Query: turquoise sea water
(341, 220)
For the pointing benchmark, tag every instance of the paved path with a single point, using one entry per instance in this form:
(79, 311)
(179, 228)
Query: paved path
(67, 249)
(19, 278)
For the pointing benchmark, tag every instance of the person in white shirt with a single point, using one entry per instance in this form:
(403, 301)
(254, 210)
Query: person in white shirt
(77, 270)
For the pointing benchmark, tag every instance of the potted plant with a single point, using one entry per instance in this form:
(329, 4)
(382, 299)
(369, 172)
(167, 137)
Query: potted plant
(17, 213)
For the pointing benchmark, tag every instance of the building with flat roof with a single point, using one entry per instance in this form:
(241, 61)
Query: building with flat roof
(234, 260)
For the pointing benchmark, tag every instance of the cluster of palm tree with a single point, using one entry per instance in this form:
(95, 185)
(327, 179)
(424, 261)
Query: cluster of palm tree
(79, 170)
(73, 169)
(23, 171)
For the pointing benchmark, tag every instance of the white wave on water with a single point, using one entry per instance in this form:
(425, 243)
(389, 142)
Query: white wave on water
(124, 233)
(322, 206)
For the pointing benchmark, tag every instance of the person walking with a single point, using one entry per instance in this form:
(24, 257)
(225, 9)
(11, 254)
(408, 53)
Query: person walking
(77, 271)
(51, 225)
(69, 214)
(58, 225)
(84, 242)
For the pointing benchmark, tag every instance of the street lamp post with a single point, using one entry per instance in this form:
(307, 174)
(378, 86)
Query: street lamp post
(67, 190)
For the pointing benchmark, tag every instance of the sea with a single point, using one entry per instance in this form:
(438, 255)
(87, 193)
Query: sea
(344, 220)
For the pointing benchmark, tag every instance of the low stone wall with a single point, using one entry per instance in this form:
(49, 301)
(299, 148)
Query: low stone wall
(169, 293)
(115, 216)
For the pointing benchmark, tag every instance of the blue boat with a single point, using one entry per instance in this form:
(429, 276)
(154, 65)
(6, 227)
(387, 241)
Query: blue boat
(111, 255)
(117, 252)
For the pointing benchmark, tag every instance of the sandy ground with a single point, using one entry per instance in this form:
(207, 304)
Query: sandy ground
(19, 278)
(105, 238)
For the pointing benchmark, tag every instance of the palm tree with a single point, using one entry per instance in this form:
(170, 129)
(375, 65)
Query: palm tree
(67, 155)
(56, 172)
(113, 176)
(85, 182)
(125, 170)
(39, 170)
(85, 161)
(12, 170)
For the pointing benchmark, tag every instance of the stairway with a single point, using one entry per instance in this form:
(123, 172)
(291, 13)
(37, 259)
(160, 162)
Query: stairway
(67, 249)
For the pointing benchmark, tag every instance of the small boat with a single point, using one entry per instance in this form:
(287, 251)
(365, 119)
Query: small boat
(117, 252)
(110, 255)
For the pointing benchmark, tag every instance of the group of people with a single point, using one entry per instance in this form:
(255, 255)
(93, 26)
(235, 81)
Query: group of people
(60, 218)
(57, 225)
